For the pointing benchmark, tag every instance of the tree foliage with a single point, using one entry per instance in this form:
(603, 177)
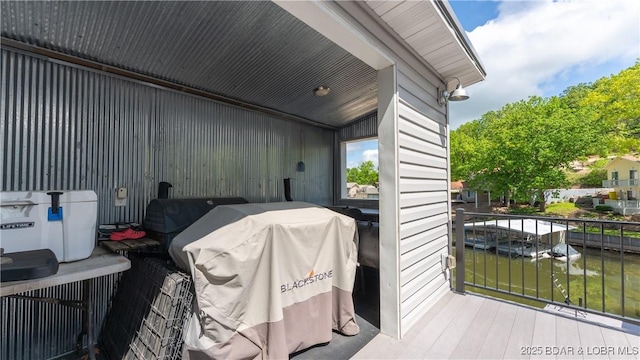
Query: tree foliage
(616, 100)
(524, 148)
(593, 178)
(365, 174)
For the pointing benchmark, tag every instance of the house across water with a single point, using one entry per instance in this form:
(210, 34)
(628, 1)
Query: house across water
(622, 176)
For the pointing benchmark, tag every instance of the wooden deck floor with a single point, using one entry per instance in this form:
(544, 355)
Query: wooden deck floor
(475, 327)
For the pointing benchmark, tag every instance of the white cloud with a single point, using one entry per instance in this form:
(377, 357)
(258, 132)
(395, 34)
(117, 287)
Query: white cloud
(532, 44)
(370, 155)
(352, 164)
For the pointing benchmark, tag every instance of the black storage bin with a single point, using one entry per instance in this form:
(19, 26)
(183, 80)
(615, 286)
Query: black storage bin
(166, 218)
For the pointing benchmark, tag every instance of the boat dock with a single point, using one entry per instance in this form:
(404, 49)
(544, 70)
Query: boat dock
(480, 242)
(516, 248)
(528, 238)
(510, 248)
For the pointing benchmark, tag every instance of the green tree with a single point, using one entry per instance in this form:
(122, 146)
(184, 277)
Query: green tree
(489, 168)
(525, 146)
(616, 100)
(573, 98)
(365, 174)
(593, 178)
(467, 145)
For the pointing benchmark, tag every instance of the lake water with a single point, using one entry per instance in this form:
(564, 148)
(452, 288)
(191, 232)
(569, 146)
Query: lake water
(596, 279)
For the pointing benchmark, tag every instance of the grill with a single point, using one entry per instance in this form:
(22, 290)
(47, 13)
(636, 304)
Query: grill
(166, 218)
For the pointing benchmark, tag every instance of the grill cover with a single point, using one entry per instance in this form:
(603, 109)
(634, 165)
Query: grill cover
(270, 279)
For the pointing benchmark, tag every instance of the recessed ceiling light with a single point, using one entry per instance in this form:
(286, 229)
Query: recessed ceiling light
(321, 90)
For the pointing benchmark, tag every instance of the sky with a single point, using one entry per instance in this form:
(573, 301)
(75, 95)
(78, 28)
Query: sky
(540, 47)
(361, 151)
(536, 47)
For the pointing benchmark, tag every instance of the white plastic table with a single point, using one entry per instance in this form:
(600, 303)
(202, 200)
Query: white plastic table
(101, 262)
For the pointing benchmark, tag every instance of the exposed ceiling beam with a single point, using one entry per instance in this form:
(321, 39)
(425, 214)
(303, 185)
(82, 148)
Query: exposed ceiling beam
(321, 18)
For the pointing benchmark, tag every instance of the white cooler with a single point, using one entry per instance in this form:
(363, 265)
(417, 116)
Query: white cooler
(62, 221)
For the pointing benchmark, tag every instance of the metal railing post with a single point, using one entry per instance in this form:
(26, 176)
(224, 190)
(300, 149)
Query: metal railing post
(460, 271)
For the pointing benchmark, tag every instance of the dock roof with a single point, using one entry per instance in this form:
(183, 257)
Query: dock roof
(526, 226)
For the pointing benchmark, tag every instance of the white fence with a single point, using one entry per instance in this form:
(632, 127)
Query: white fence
(566, 194)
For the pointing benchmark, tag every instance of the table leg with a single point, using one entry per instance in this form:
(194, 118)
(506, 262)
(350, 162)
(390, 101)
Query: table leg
(87, 316)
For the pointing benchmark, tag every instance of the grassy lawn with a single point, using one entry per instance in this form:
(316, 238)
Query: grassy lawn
(613, 232)
(559, 209)
(524, 210)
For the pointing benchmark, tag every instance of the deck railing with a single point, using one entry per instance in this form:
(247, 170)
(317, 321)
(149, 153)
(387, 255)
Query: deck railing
(623, 204)
(619, 183)
(595, 269)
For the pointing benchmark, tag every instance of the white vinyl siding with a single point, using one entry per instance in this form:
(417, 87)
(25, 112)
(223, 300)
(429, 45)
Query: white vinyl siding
(415, 185)
(415, 243)
(419, 198)
(415, 157)
(424, 211)
(425, 270)
(417, 227)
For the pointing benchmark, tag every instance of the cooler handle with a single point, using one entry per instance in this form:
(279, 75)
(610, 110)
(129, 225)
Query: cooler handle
(55, 201)
(55, 211)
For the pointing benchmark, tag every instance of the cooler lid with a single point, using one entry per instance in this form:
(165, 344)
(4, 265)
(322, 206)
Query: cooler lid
(42, 197)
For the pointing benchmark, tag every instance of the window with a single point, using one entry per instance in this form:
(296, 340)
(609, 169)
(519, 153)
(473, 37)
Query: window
(614, 178)
(360, 179)
(633, 177)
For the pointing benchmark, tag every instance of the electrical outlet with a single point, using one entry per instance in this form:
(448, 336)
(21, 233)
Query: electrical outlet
(447, 261)
(121, 197)
(451, 261)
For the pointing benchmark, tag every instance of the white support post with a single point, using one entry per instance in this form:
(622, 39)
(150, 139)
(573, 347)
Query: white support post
(390, 316)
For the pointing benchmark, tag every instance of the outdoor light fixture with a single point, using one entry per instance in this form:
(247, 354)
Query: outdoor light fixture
(459, 94)
(321, 90)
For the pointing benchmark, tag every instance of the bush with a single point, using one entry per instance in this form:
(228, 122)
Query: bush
(593, 178)
(589, 215)
(603, 208)
(584, 201)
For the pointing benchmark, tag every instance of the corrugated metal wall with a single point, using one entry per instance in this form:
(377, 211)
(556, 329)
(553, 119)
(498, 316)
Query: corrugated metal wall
(361, 128)
(38, 330)
(72, 129)
(69, 128)
(218, 150)
(423, 187)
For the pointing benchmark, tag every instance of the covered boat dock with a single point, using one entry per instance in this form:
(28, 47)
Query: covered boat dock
(517, 237)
